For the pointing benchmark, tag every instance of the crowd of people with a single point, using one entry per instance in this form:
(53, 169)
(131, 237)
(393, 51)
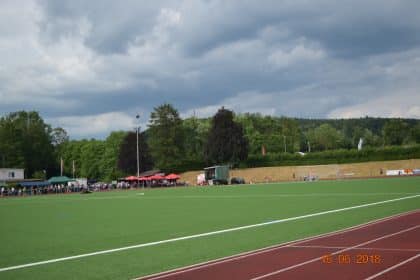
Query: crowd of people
(76, 188)
(61, 189)
(39, 190)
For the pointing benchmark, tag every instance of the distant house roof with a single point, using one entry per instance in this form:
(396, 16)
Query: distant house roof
(11, 168)
(149, 173)
(215, 166)
(35, 184)
(17, 181)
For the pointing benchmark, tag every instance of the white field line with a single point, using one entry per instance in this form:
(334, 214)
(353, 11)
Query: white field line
(334, 253)
(326, 181)
(203, 234)
(243, 255)
(393, 267)
(358, 248)
(54, 198)
(274, 195)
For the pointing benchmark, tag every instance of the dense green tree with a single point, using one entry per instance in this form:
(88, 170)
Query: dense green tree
(71, 151)
(395, 131)
(357, 133)
(253, 135)
(274, 133)
(25, 142)
(127, 157)
(11, 144)
(262, 131)
(415, 133)
(195, 135)
(324, 137)
(226, 141)
(95, 159)
(90, 158)
(166, 137)
(290, 133)
(109, 161)
(40, 175)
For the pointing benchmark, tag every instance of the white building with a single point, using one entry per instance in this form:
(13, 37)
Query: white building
(8, 174)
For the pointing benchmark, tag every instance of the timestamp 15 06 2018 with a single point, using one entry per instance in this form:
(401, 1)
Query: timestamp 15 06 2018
(352, 259)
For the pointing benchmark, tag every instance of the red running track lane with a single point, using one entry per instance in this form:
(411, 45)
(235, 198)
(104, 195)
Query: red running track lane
(388, 248)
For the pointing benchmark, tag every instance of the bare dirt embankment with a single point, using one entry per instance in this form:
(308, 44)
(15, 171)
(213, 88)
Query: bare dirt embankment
(323, 172)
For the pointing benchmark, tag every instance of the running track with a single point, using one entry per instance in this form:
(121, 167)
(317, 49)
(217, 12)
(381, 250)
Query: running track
(384, 249)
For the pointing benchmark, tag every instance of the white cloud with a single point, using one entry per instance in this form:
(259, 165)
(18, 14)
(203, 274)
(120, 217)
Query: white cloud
(401, 104)
(34, 66)
(266, 103)
(291, 58)
(298, 54)
(168, 17)
(79, 126)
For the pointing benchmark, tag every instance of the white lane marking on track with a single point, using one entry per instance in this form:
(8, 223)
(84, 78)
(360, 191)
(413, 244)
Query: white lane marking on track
(269, 249)
(358, 248)
(334, 253)
(202, 234)
(393, 267)
(134, 196)
(276, 195)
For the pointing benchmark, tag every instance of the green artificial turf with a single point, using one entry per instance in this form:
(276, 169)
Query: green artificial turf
(47, 227)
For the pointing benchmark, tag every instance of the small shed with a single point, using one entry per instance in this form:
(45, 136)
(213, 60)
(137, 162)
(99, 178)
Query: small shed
(217, 175)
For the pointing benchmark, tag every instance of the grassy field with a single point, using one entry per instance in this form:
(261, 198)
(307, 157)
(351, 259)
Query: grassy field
(34, 229)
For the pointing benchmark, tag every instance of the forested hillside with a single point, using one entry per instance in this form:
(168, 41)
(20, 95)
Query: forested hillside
(174, 144)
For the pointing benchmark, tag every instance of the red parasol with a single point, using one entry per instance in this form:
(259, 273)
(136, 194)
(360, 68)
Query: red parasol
(156, 177)
(144, 179)
(172, 177)
(131, 178)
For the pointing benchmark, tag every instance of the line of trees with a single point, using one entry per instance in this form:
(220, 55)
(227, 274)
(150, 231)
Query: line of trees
(26, 141)
(174, 144)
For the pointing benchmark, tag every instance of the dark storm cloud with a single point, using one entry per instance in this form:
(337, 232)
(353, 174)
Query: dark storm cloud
(114, 24)
(364, 37)
(346, 28)
(90, 66)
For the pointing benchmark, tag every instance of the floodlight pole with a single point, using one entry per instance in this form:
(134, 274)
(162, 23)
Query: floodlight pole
(138, 157)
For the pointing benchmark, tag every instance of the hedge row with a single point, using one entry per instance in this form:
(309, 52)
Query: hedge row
(334, 156)
(187, 165)
(315, 158)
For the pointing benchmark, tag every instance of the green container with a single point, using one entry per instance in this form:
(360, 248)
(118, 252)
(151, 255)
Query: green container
(217, 175)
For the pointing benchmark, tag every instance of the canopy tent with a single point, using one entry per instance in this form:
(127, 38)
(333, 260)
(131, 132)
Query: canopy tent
(149, 173)
(131, 178)
(144, 179)
(35, 184)
(60, 180)
(172, 176)
(156, 177)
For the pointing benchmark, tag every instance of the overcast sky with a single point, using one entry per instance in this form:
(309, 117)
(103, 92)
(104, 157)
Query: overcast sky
(91, 66)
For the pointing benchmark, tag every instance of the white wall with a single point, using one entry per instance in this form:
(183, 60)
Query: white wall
(11, 174)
